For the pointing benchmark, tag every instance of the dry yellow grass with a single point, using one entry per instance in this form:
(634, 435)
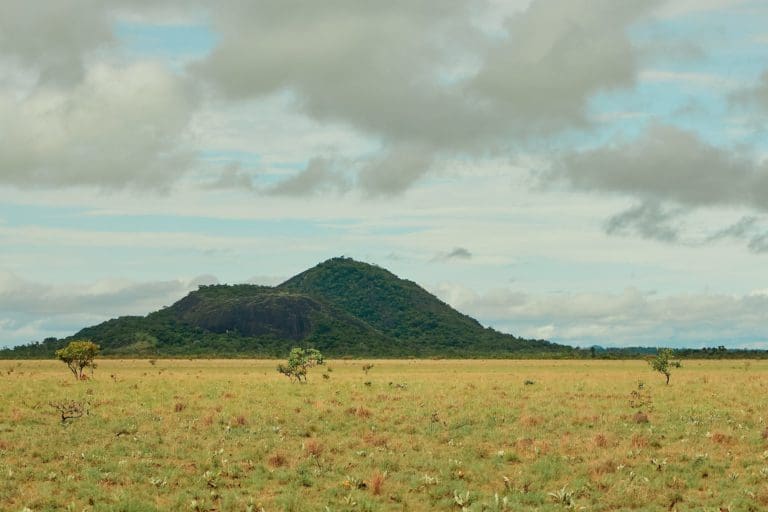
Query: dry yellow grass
(409, 435)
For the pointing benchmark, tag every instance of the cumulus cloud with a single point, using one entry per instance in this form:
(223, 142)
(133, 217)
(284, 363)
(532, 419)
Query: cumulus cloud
(423, 78)
(557, 55)
(669, 164)
(630, 317)
(120, 126)
(53, 38)
(672, 172)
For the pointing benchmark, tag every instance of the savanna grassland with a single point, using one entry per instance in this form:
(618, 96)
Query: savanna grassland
(409, 435)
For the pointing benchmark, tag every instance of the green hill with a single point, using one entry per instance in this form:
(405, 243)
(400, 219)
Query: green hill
(341, 306)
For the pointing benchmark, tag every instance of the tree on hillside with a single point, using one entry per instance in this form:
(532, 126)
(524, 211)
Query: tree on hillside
(78, 356)
(662, 363)
(300, 360)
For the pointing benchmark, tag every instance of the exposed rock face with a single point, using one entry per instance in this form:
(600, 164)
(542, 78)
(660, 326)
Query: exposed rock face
(286, 316)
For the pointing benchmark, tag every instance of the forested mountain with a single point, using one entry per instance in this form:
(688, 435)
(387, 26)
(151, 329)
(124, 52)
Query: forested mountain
(341, 306)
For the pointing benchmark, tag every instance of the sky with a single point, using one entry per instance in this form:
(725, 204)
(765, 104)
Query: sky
(584, 171)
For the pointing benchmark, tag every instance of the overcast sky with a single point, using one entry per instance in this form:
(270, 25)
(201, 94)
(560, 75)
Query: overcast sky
(586, 171)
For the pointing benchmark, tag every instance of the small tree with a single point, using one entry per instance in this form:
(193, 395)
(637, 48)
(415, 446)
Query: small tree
(300, 360)
(78, 356)
(662, 362)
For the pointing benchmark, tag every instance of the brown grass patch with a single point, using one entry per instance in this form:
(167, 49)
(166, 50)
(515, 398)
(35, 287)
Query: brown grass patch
(720, 438)
(600, 440)
(639, 441)
(277, 460)
(531, 421)
(359, 411)
(603, 468)
(180, 406)
(524, 444)
(373, 439)
(377, 482)
(239, 421)
(313, 448)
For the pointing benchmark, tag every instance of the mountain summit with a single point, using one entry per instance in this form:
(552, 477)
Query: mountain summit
(341, 306)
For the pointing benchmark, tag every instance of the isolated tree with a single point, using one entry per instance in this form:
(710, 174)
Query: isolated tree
(300, 360)
(662, 362)
(78, 356)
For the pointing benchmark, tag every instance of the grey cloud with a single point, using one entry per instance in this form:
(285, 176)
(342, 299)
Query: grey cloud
(319, 176)
(557, 55)
(648, 220)
(373, 65)
(457, 253)
(739, 229)
(759, 243)
(53, 38)
(394, 171)
(422, 74)
(669, 164)
(56, 40)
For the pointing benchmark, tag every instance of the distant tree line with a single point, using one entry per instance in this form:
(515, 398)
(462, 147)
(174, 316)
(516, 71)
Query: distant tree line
(209, 345)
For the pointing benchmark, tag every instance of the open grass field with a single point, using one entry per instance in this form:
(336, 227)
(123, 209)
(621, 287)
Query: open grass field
(409, 435)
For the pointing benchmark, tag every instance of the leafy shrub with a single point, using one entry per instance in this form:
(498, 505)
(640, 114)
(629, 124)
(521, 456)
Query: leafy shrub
(78, 356)
(300, 360)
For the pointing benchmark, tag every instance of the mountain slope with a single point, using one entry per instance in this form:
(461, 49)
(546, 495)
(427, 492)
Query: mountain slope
(397, 307)
(341, 306)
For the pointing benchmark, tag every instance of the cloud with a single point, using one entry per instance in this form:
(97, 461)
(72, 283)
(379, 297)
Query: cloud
(756, 95)
(648, 220)
(109, 297)
(630, 317)
(458, 253)
(423, 79)
(669, 164)
(120, 126)
(740, 229)
(233, 176)
(31, 310)
(53, 38)
(759, 243)
(557, 55)
(394, 171)
(319, 176)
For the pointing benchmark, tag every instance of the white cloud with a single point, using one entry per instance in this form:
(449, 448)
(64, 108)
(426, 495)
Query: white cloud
(119, 126)
(631, 317)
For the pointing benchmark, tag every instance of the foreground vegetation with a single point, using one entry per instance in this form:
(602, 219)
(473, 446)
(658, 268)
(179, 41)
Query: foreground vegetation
(403, 435)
